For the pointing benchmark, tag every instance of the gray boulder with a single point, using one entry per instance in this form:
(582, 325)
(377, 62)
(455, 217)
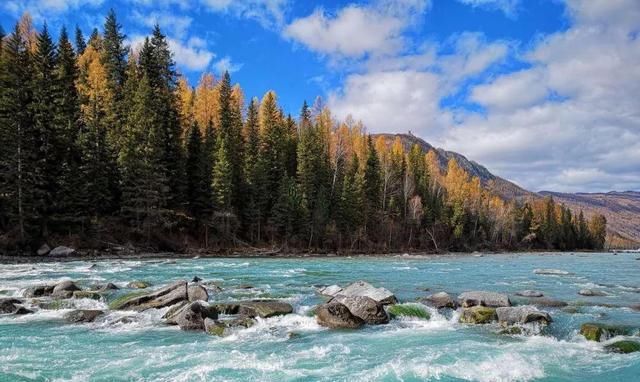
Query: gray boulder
(337, 316)
(255, 308)
(197, 293)
(440, 300)
(330, 291)
(482, 298)
(591, 293)
(363, 288)
(222, 328)
(192, 316)
(43, 250)
(83, 315)
(548, 302)
(370, 311)
(521, 315)
(39, 291)
(530, 293)
(22, 310)
(161, 298)
(478, 315)
(8, 305)
(108, 287)
(62, 251)
(64, 289)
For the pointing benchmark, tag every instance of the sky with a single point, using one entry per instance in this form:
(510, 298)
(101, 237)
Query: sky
(545, 93)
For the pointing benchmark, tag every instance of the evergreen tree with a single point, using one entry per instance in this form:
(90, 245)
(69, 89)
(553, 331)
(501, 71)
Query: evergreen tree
(252, 213)
(47, 138)
(272, 150)
(196, 175)
(372, 185)
(81, 45)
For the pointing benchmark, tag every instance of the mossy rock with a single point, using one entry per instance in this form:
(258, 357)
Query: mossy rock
(478, 315)
(119, 302)
(600, 332)
(217, 329)
(624, 347)
(408, 310)
(511, 331)
(54, 304)
(87, 294)
(138, 285)
(572, 309)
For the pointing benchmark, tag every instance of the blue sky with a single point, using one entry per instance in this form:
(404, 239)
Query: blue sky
(542, 92)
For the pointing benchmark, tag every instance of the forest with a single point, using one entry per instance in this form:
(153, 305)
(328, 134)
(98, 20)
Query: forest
(104, 144)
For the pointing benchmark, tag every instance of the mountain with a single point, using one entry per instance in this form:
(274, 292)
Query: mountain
(622, 209)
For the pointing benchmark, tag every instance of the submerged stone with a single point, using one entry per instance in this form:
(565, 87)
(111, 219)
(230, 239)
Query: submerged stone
(530, 293)
(87, 294)
(83, 315)
(408, 310)
(601, 332)
(624, 347)
(591, 292)
(548, 271)
(138, 285)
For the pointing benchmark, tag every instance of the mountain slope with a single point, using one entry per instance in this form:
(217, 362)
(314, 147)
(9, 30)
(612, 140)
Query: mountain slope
(622, 209)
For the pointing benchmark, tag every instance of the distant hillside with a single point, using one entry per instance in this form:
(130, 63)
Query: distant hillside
(500, 186)
(622, 209)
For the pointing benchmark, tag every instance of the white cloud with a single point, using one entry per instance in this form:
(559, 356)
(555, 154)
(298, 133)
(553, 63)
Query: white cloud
(225, 65)
(177, 25)
(508, 7)
(190, 56)
(45, 9)
(357, 30)
(269, 13)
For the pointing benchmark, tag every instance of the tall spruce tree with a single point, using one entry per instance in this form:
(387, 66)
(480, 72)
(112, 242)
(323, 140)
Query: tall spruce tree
(197, 195)
(114, 59)
(372, 185)
(81, 44)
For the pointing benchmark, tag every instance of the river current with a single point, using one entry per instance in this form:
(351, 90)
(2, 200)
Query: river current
(42, 347)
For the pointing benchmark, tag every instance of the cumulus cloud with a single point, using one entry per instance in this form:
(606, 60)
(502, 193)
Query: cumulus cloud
(571, 121)
(269, 13)
(41, 9)
(177, 25)
(226, 65)
(191, 55)
(356, 30)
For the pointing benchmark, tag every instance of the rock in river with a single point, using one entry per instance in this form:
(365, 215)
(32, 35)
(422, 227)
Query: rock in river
(167, 296)
(490, 299)
(62, 251)
(623, 346)
(591, 292)
(370, 311)
(530, 293)
(78, 316)
(594, 331)
(198, 293)
(478, 315)
(255, 308)
(330, 291)
(64, 289)
(522, 315)
(548, 271)
(39, 291)
(334, 315)
(192, 316)
(440, 300)
(138, 285)
(363, 288)
(8, 305)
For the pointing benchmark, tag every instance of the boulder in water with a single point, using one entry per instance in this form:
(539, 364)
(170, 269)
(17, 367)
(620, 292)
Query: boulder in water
(87, 294)
(83, 315)
(591, 293)
(197, 293)
(64, 289)
(108, 287)
(594, 331)
(62, 251)
(39, 291)
(161, 298)
(623, 346)
(363, 288)
(530, 293)
(522, 315)
(440, 300)
(8, 305)
(549, 271)
(334, 315)
(221, 328)
(548, 302)
(330, 291)
(482, 298)
(43, 250)
(255, 308)
(370, 311)
(138, 285)
(22, 310)
(192, 316)
(478, 315)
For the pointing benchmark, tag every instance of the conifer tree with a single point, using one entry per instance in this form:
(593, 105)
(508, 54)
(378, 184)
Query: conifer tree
(272, 150)
(372, 185)
(197, 195)
(81, 45)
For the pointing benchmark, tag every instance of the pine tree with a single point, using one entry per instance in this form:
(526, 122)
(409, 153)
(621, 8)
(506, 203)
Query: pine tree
(45, 95)
(272, 150)
(197, 195)
(18, 148)
(70, 193)
(372, 185)
(81, 45)
(252, 212)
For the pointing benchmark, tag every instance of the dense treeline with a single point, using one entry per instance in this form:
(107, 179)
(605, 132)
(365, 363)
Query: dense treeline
(100, 143)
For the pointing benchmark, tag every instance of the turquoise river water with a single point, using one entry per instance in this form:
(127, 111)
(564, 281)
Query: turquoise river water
(41, 347)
